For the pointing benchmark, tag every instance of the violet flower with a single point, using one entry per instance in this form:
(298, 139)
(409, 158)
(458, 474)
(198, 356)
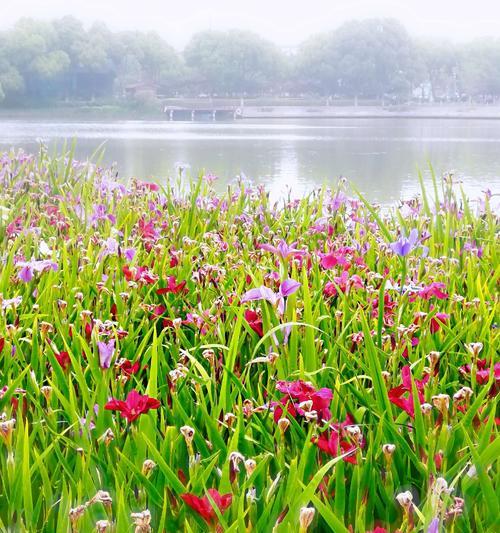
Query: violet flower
(404, 245)
(283, 250)
(106, 352)
(28, 268)
(276, 299)
(433, 526)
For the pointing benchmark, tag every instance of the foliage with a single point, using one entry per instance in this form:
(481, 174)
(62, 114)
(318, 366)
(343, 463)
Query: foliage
(43, 62)
(362, 394)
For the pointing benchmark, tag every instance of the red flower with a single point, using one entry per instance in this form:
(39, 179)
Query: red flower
(203, 506)
(396, 395)
(2, 344)
(254, 321)
(128, 368)
(437, 321)
(337, 441)
(378, 529)
(172, 286)
(135, 405)
(63, 359)
(298, 392)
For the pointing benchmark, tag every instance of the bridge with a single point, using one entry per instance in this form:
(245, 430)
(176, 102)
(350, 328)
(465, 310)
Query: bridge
(195, 112)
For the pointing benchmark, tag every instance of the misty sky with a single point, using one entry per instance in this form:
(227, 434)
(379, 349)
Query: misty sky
(286, 22)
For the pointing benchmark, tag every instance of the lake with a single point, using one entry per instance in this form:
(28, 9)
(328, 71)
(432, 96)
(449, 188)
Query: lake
(381, 156)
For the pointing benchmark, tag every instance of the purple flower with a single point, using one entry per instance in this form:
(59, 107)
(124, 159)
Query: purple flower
(283, 250)
(29, 267)
(129, 254)
(277, 299)
(106, 351)
(433, 526)
(110, 248)
(404, 245)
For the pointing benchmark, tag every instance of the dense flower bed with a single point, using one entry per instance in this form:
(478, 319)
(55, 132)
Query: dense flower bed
(175, 360)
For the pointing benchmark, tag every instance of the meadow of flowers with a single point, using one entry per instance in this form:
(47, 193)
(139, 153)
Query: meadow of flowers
(176, 360)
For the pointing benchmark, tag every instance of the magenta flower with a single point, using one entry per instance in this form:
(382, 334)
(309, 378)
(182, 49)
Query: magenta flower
(276, 299)
(28, 268)
(106, 352)
(283, 250)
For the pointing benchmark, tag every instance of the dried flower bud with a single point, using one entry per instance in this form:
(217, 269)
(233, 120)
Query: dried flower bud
(283, 424)
(76, 513)
(434, 358)
(405, 499)
(188, 434)
(148, 466)
(474, 348)
(107, 437)
(209, 355)
(463, 394)
(235, 458)
(101, 526)
(6, 429)
(248, 407)
(426, 408)
(306, 517)
(250, 466)
(229, 419)
(46, 390)
(388, 451)
(142, 521)
(102, 497)
(441, 402)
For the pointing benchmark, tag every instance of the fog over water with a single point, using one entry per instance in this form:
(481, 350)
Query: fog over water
(380, 156)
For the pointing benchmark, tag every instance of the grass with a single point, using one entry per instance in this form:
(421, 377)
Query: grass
(407, 458)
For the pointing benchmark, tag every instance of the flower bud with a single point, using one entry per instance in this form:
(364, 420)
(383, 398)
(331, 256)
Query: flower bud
(250, 466)
(306, 517)
(6, 429)
(405, 499)
(188, 434)
(283, 424)
(474, 348)
(101, 526)
(142, 521)
(426, 408)
(148, 466)
(46, 390)
(441, 403)
(107, 437)
(464, 394)
(388, 451)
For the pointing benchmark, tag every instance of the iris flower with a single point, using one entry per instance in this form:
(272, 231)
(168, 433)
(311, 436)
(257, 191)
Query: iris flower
(276, 299)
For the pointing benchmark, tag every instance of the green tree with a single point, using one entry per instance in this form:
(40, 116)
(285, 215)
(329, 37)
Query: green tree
(480, 68)
(234, 62)
(366, 58)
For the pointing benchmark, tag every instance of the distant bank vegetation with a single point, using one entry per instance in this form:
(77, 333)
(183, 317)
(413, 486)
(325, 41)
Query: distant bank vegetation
(46, 62)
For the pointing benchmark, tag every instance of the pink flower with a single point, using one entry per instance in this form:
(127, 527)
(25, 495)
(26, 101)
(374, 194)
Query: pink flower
(135, 405)
(298, 392)
(397, 394)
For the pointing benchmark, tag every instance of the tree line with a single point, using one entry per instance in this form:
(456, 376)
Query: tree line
(61, 60)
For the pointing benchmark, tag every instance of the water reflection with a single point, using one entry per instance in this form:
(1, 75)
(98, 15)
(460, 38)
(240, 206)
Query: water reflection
(380, 156)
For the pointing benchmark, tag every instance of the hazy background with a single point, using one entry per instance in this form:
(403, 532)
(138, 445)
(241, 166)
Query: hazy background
(286, 22)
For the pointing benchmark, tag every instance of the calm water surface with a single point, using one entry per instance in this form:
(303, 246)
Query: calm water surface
(380, 156)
